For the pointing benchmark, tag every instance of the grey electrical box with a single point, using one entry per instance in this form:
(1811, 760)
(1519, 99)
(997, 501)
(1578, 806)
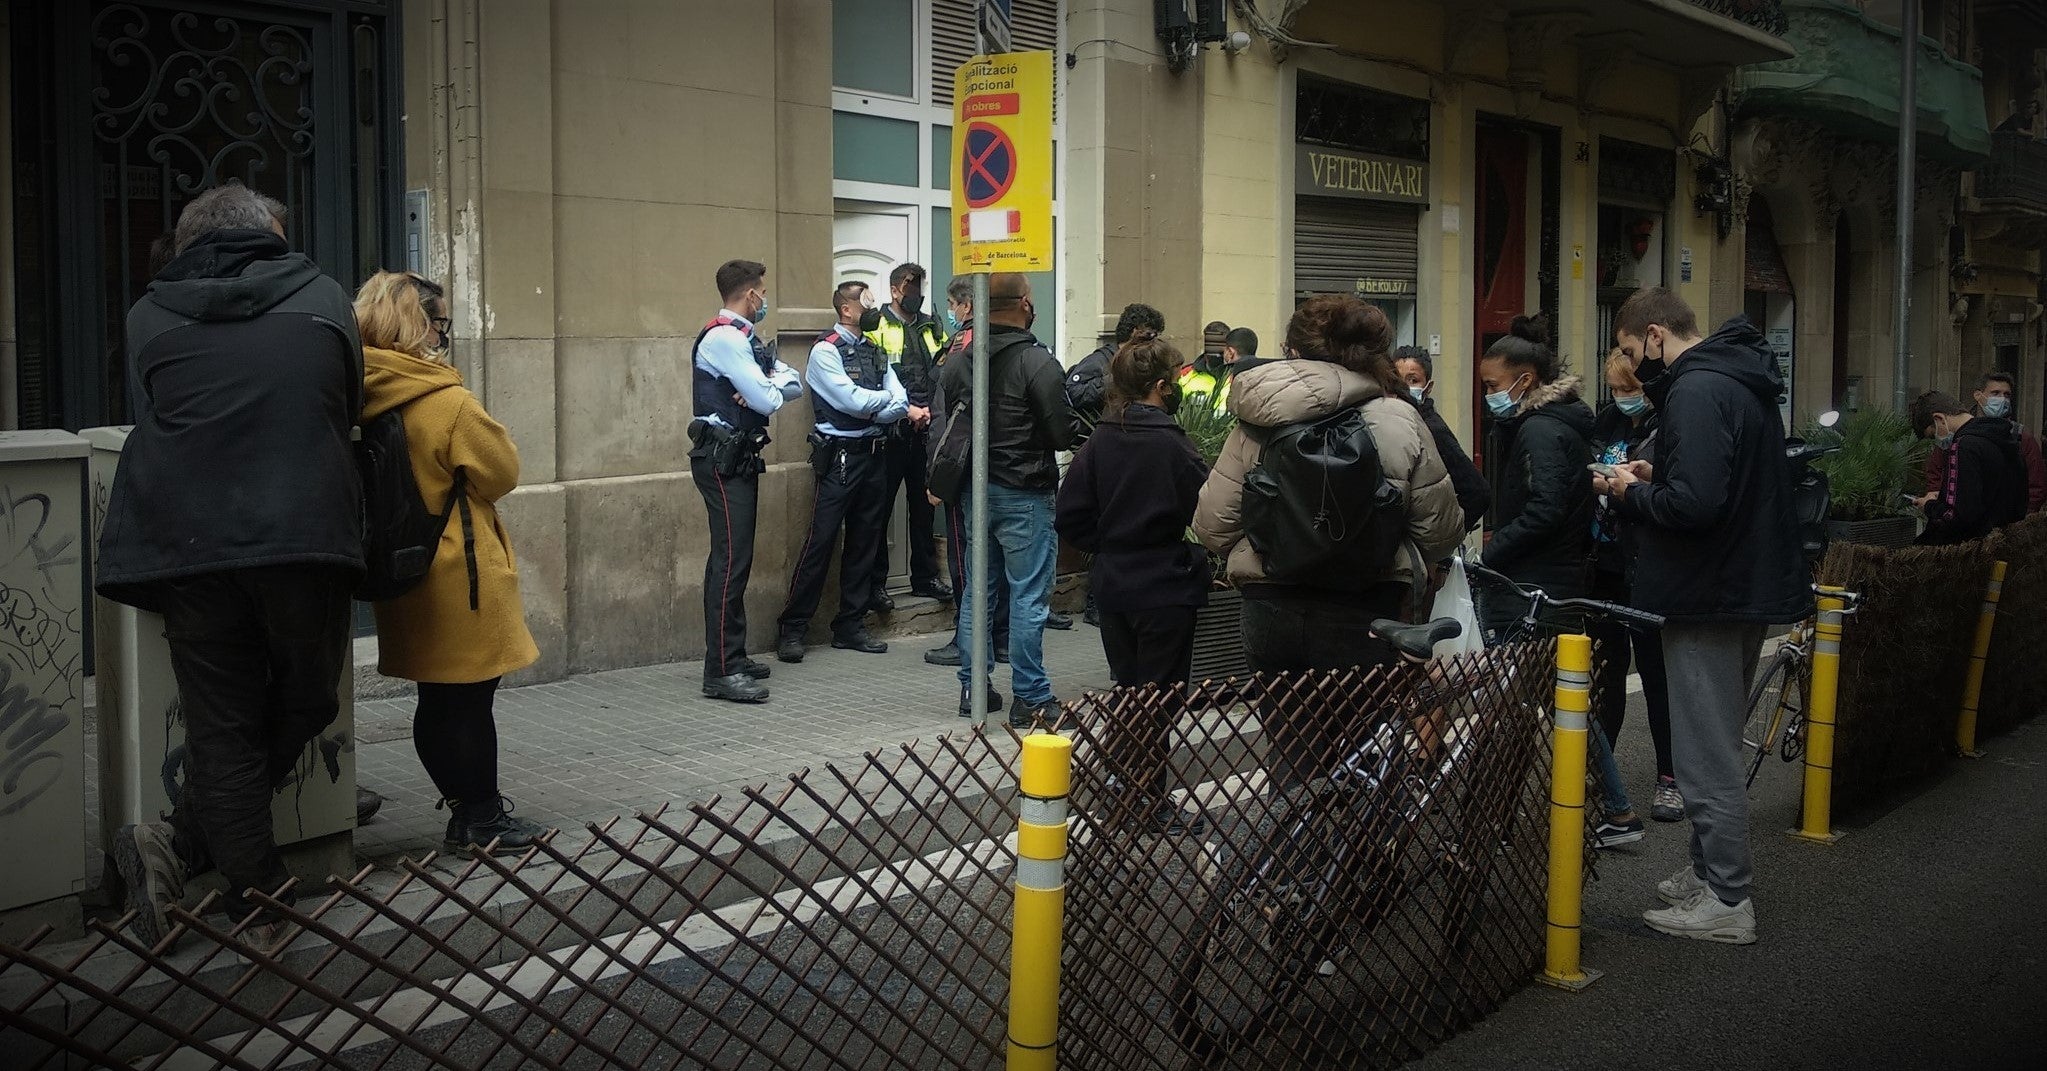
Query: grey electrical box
(416, 205)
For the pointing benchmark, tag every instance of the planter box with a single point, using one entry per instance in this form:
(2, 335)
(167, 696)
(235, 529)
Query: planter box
(1218, 637)
(1891, 533)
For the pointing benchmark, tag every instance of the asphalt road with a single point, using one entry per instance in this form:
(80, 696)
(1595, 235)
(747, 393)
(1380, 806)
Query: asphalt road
(1917, 941)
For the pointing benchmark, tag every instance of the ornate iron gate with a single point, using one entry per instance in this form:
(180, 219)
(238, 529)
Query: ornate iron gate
(127, 110)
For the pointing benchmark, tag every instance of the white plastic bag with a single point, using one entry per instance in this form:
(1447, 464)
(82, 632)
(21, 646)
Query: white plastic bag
(1454, 600)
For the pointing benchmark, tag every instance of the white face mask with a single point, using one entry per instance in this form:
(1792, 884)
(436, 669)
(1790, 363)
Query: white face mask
(1997, 405)
(1418, 394)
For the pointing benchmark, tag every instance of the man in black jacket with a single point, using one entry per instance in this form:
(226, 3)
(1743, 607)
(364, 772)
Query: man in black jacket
(1417, 369)
(1983, 480)
(1087, 382)
(1028, 422)
(236, 514)
(1720, 560)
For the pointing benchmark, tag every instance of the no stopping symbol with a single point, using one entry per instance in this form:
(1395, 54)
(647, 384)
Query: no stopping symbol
(987, 165)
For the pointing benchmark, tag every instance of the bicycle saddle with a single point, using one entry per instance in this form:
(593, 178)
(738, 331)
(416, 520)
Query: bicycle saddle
(1417, 641)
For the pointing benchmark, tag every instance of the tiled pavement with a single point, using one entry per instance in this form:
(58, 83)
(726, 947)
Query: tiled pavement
(602, 744)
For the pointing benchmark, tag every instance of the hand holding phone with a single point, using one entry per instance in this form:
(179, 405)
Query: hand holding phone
(1599, 469)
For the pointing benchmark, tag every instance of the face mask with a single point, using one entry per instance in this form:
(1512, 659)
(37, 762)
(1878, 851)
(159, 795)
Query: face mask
(1030, 316)
(1171, 400)
(1501, 402)
(952, 322)
(763, 313)
(869, 320)
(1418, 394)
(1997, 405)
(1651, 367)
(1634, 406)
(1945, 441)
(912, 301)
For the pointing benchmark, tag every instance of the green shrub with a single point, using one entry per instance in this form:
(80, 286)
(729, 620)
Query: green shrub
(1878, 461)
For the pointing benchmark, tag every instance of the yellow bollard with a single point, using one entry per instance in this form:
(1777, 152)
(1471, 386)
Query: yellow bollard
(1818, 816)
(1972, 694)
(1040, 903)
(1567, 816)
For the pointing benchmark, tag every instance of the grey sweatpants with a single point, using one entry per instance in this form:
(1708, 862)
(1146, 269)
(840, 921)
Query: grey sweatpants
(1710, 667)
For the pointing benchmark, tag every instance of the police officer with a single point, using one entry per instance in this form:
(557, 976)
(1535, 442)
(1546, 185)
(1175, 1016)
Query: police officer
(855, 396)
(912, 342)
(1210, 373)
(736, 385)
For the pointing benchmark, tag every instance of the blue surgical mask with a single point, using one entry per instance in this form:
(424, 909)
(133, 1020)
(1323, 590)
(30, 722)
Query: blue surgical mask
(952, 322)
(1997, 405)
(1632, 406)
(1500, 402)
(1945, 441)
(1418, 394)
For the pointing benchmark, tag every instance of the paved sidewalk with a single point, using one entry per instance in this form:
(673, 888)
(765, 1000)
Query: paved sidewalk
(602, 744)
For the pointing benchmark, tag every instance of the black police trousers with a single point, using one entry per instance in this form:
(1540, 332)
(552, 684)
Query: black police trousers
(731, 502)
(851, 493)
(258, 655)
(909, 455)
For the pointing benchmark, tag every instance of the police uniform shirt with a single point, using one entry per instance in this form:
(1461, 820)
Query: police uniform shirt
(830, 383)
(727, 350)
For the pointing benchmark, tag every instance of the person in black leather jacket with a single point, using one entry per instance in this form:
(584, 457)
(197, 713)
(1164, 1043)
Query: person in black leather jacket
(1087, 382)
(1542, 506)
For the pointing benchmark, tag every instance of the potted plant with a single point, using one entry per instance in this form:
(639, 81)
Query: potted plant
(1218, 643)
(1878, 459)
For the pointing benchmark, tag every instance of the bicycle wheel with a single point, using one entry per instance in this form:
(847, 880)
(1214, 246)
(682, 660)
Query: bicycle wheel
(1767, 710)
(1266, 929)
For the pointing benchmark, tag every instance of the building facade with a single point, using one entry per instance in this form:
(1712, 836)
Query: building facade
(576, 170)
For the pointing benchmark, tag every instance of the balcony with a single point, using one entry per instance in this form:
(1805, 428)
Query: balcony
(1845, 77)
(1764, 15)
(2015, 178)
(1687, 34)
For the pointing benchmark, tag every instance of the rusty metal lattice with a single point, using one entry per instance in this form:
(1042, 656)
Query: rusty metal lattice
(1339, 869)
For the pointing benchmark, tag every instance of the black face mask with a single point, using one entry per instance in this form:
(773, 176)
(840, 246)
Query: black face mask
(1171, 401)
(869, 320)
(912, 301)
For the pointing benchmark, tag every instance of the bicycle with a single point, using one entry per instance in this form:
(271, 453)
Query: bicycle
(1775, 718)
(1280, 919)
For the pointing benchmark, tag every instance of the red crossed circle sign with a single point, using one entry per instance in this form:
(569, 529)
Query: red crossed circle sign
(988, 165)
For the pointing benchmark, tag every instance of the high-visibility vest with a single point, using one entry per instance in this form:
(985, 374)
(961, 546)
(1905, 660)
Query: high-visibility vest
(1194, 381)
(890, 338)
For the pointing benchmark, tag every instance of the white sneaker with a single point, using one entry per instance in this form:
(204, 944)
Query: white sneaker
(1679, 887)
(1703, 917)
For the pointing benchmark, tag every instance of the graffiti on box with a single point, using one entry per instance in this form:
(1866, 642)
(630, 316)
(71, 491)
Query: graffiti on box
(40, 669)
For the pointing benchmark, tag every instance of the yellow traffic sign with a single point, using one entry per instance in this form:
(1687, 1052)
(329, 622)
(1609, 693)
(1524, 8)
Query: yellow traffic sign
(1002, 163)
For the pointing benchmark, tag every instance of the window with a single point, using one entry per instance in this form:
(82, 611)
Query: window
(867, 148)
(874, 46)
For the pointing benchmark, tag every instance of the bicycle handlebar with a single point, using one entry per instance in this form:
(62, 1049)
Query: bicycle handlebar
(1625, 614)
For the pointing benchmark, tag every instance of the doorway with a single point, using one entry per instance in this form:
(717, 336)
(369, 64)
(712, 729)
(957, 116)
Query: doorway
(1516, 231)
(125, 111)
(868, 241)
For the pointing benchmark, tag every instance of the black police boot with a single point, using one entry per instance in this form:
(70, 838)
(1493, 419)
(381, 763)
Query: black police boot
(1057, 620)
(932, 589)
(859, 641)
(1092, 614)
(756, 669)
(489, 824)
(738, 688)
(882, 603)
(789, 649)
(948, 655)
(1023, 715)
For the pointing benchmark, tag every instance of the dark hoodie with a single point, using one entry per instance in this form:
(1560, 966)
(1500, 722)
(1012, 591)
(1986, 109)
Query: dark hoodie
(1719, 538)
(247, 375)
(1542, 506)
(1127, 499)
(1983, 485)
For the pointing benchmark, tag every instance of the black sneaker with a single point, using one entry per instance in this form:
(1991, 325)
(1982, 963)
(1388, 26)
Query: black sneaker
(737, 688)
(491, 826)
(932, 589)
(993, 704)
(1058, 620)
(948, 655)
(1612, 834)
(1091, 616)
(756, 669)
(882, 603)
(787, 649)
(861, 642)
(367, 804)
(1169, 820)
(1024, 715)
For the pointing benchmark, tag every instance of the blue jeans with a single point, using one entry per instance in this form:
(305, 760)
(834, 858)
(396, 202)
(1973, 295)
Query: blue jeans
(1026, 554)
(1616, 794)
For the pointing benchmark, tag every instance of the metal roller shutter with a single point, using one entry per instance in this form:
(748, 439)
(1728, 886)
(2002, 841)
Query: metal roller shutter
(1034, 25)
(1338, 242)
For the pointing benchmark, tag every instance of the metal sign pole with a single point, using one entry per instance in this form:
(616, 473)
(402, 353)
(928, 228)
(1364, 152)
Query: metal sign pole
(1908, 148)
(977, 525)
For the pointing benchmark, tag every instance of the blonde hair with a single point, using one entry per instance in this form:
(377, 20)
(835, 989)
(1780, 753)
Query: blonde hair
(1621, 370)
(394, 311)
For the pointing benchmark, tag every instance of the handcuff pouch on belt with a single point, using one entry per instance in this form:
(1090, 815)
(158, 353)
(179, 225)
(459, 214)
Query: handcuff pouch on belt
(731, 453)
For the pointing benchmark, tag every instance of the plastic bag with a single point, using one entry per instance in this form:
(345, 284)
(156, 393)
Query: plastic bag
(1454, 600)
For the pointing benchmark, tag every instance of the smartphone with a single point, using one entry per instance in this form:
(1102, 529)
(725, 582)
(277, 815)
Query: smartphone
(1598, 469)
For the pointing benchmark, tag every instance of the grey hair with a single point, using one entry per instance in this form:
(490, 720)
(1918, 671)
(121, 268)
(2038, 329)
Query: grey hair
(230, 207)
(276, 208)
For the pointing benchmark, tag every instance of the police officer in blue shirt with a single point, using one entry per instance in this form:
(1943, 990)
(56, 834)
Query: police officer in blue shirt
(737, 384)
(855, 396)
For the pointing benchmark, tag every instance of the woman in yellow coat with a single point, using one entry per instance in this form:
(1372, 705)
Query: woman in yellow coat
(460, 629)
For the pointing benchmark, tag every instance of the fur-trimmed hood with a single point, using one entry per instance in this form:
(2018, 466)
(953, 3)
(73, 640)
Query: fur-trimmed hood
(1564, 389)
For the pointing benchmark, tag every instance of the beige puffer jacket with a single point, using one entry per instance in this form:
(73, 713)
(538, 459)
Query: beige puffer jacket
(1289, 391)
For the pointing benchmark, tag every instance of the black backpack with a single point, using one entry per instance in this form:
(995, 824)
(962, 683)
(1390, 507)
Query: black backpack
(1319, 510)
(400, 535)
